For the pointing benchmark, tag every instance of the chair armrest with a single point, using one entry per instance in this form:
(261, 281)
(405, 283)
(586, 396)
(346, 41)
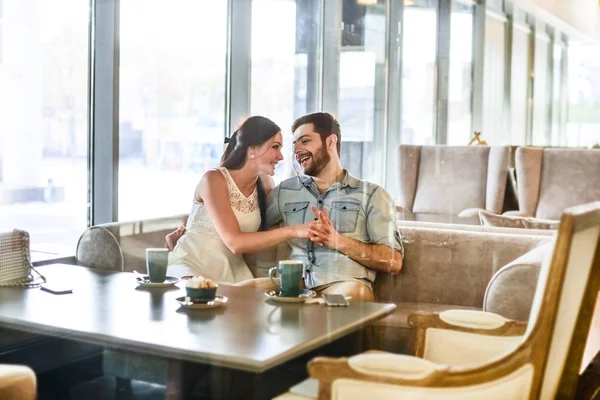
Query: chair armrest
(470, 212)
(373, 366)
(469, 321)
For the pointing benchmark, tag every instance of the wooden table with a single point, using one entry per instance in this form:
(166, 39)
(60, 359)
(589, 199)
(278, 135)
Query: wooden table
(250, 333)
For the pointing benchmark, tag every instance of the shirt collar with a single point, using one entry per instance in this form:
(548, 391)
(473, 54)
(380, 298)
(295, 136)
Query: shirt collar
(348, 180)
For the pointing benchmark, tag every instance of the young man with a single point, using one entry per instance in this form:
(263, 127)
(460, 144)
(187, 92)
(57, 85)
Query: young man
(354, 233)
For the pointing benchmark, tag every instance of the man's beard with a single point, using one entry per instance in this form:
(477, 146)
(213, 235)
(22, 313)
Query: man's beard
(319, 161)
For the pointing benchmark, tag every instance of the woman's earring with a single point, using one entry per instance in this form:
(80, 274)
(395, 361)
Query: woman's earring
(251, 155)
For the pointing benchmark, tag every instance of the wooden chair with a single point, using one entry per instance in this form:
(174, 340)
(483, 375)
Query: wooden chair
(473, 355)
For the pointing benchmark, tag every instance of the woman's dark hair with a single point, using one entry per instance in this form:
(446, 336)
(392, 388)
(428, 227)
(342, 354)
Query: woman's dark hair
(253, 132)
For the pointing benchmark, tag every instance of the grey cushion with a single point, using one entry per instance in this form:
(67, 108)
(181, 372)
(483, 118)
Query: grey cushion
(491, 219)
(511, 289)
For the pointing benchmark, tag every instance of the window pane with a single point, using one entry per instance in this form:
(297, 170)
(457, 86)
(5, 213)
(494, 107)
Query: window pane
(172, 102)
(418, 71)
(541, 91)
(460, 84)
(494, 75)
(583, 128)
(43, 120)
(362, 83)
(520, 85)
(284, 66)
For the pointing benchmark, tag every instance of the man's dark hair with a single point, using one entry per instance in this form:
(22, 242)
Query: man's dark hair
(324, 124)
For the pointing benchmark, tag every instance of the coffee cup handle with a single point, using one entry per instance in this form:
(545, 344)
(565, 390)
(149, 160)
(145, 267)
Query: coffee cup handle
(273, 271)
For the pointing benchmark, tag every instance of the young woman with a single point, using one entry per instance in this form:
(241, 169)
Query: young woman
(228, 213)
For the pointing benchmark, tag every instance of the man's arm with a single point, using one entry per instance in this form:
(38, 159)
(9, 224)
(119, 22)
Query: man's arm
(378, 257)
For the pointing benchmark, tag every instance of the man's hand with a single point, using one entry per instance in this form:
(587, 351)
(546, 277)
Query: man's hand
(322, 230)
(174, 236)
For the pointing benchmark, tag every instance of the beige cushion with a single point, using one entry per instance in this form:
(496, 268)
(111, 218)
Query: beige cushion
(491, 219)
(17, 382)
(511, 289)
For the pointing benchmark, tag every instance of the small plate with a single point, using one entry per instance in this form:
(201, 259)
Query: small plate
(201, 304)
(143, 281)
(304, 295)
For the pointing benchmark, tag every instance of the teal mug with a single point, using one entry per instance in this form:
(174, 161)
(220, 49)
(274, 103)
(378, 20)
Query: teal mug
(156, 264)
(290, 277)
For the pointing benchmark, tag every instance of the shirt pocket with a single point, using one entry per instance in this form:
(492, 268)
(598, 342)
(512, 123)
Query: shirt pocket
(295, 212)
(344, 215)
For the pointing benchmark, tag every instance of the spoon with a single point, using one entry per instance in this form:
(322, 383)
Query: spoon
(139, 277)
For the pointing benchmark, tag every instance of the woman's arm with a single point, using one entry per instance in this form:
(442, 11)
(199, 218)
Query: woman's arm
(212, 190)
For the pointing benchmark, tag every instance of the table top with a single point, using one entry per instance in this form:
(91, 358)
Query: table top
(250, 332)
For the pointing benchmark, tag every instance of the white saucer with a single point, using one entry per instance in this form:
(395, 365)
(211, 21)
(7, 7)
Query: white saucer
(201, 305)
(169, 281)
(304, 295)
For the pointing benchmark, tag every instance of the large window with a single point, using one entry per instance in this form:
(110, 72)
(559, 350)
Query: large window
(284, 66)
(419, 72)
(172, 102)
(361, 86)
(583, 128)
(460, 85)
(43, 120)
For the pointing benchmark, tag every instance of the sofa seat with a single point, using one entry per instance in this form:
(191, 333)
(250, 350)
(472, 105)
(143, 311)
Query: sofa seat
(393, 334)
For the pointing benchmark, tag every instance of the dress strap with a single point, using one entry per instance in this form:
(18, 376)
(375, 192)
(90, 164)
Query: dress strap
(230, 182)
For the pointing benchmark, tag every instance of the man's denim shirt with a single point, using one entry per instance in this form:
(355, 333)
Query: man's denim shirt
(361, 210)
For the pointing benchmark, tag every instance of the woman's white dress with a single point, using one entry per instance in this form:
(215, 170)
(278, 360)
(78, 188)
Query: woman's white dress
(201, 251)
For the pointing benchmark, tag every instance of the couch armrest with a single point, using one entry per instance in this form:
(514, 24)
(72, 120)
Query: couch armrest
(470, 212)
(468, 321)
(516, 214)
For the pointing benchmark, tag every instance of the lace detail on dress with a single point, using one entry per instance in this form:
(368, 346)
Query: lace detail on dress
(237, 199)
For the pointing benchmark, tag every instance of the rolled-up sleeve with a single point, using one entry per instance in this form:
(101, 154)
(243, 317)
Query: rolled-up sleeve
(381, 221)
(273, 210)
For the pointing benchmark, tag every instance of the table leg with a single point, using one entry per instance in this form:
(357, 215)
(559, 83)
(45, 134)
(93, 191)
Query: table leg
(182, 378)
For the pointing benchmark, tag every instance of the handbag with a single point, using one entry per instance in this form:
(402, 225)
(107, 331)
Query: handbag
(15, 260)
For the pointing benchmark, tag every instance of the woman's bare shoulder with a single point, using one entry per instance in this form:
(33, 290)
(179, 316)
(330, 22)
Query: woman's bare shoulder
(211, 180)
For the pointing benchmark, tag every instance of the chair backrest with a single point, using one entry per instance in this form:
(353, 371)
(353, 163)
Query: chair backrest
(450, 179)
(129, 239)
(563, 303)
(99, 248)
(552, 179)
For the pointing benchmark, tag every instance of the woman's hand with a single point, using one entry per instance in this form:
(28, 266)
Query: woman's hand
(174, 236)
(302, 231)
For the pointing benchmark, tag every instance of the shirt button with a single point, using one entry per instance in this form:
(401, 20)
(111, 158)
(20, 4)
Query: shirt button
(343, 208)
(320, 201)
(293, 209)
